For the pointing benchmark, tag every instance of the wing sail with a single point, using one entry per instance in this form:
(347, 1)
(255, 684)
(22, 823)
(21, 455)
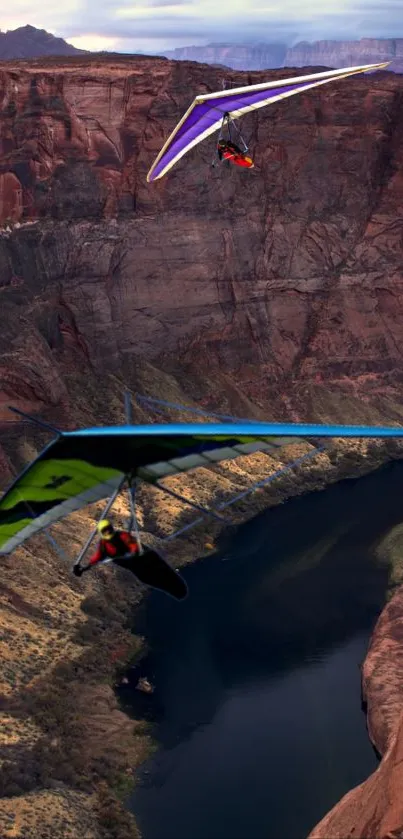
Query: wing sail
(205, 114)
(85, 466)
(50, 489)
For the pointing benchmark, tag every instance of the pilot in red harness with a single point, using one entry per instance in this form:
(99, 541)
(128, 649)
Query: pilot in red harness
(113, 543)
(228, 150)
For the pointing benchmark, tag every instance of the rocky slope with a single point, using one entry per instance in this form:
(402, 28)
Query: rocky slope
(29, 42)
(273, 293)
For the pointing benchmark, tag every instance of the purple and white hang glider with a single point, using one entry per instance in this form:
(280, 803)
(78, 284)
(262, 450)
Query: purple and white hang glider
(207, 111)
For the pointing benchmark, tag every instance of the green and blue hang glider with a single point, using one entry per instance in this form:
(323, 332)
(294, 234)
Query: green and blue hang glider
(84, 466)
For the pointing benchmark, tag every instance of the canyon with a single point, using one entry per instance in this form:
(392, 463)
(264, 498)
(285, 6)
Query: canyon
(275, 293)
(282, 285)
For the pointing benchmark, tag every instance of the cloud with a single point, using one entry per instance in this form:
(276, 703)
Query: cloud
(158, 25)
(161, 3)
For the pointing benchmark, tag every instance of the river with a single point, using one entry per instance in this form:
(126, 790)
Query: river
(257, 701)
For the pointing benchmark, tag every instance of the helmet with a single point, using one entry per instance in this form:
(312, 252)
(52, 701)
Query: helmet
(105, 529)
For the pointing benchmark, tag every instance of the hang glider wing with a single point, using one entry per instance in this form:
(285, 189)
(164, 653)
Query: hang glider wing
(206, 112)
(82, 467)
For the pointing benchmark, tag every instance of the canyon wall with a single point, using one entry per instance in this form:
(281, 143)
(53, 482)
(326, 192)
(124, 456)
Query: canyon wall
(281, 286)
(236, 56)
(267, 56)
(347, 53)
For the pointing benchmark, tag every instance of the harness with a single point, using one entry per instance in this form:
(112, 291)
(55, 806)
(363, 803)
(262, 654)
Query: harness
(117, 546)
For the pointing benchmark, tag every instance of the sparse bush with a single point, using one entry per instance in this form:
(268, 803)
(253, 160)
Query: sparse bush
(100, 609)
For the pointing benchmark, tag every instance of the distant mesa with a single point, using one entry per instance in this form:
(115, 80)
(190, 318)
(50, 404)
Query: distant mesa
(236, 56)
(29, 42)
(265, 56)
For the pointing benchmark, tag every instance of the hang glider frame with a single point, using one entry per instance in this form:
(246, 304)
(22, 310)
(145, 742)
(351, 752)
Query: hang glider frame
(131, 486)
(205, 512)
(159, 405)
(229, 132)
(195, 124)
(278, 436)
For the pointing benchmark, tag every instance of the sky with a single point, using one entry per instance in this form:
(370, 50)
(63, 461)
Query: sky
(160, 25)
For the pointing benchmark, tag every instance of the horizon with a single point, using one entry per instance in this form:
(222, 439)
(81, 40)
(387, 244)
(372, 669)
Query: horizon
(157, 26)
(250, 42)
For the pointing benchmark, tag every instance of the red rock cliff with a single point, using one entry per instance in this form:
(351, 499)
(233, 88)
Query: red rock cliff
(284, 283)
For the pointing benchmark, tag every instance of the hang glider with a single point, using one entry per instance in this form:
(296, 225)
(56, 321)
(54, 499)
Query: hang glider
(208, 111)
(85, 466)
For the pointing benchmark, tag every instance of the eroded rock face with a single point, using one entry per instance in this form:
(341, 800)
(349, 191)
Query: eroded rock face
(278, 279)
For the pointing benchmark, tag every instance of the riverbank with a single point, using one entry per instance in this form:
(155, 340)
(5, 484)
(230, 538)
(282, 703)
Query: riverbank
(69, 754)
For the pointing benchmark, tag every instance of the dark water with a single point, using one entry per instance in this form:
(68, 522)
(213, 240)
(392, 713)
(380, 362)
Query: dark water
(257, 706)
